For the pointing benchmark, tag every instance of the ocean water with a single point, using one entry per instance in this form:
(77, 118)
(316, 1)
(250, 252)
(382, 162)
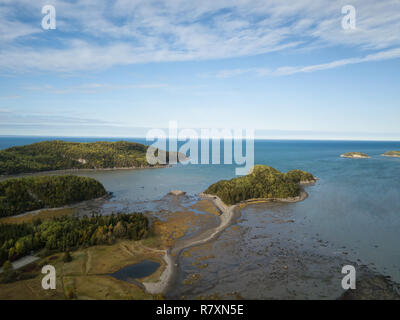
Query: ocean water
(355, 203)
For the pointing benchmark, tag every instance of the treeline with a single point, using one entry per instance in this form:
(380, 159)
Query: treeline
(69, 233)
(262, 182)
(31, 193)
(61, 155)
(299, 176)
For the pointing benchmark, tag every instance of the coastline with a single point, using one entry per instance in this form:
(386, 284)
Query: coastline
(228, 214)
(67, 171)
(172, 254)
(108, 195)
(303, 195)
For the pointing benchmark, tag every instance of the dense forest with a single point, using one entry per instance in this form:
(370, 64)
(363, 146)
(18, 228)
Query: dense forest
(61, 155)
(262, 182)
(68, 233)
(31, 193)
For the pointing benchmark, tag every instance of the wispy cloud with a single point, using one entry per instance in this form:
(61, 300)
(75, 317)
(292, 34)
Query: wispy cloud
(379, 56)
(97, 34)
(289, 70)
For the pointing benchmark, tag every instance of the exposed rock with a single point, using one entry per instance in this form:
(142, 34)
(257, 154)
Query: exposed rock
(177, 193)
(355, 155)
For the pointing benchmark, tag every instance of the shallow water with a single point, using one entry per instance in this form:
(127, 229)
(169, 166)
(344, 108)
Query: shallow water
(355, 204)
(139, 270)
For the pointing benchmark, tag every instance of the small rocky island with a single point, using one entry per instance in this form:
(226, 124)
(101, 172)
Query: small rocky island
(265, 183)
(394, 154)
(355, 155)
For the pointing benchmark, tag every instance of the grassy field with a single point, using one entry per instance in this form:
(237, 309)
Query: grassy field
(87, 276)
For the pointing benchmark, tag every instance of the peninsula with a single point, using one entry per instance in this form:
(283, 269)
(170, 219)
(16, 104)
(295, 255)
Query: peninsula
(61, 155)
(26, 194)
(263, 182)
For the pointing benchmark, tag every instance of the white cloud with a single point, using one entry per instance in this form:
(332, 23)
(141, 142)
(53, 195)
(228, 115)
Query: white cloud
(97, 34)
(289, 70)
(383, 55)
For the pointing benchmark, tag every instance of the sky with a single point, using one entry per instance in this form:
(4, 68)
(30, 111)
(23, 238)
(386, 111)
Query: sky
(287, 69)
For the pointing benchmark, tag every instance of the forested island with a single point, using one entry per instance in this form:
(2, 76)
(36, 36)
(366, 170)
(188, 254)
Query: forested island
(61, 155)
(395, 154)
(20, 195)
(355, 155)
(263, 182)
(68, 233)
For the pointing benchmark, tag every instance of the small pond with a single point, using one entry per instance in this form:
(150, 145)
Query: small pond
(136, 271)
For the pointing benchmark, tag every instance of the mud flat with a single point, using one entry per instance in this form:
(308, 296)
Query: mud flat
(373, 286)
(228, 214)
(268, 254)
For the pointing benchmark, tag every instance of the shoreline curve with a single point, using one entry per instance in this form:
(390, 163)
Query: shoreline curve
(227, 216)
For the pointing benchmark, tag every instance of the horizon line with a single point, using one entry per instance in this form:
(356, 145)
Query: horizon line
(233, 138)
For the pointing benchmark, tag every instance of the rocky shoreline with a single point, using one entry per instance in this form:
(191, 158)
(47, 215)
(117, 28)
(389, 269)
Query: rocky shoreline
(227, 216)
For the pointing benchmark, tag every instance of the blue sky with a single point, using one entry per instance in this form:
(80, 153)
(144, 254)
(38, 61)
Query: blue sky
(285, 68)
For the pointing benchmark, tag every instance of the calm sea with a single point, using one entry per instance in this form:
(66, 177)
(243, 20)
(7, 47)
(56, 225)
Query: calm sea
(356, 203)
